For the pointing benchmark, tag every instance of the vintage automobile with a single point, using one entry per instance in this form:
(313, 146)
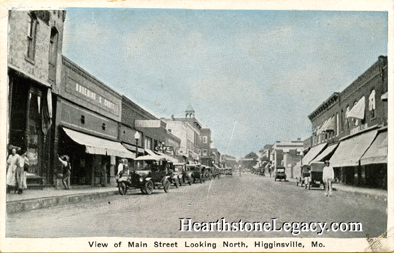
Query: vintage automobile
(215, 172)
(178, 173)
(198, 173)
(150, 172)
(229, 171)
(208, 173)
(305, 172)
(280, 173)
(315, 178)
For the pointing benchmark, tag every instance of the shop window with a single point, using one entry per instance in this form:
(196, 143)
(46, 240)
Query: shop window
(372, 104)
(83, 119)
(53, 45)
(103, 126)
(31, 36)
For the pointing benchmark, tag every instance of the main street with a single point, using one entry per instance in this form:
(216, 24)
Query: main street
(249, 198)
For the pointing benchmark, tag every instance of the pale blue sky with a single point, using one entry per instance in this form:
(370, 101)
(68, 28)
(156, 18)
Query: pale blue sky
(253, 77)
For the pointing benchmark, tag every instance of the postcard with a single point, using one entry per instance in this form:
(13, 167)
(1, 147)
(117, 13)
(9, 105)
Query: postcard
(196, 126)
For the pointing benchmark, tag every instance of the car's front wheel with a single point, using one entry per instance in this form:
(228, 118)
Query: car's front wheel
(148, 187)
(122, 188)
(166, 185)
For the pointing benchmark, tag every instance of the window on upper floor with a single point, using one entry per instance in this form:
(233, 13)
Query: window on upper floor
(205, 139)
(355, 120)
(372, 104)
(347, 119)
(31, 36)
(337, 118)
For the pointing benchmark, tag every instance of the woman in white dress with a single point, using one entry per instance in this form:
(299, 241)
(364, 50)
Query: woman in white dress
(12, 164)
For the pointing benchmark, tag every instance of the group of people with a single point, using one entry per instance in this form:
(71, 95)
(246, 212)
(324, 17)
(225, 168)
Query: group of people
(17, 167)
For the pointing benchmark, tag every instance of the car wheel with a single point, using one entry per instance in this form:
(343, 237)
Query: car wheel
(122, 188)
(190, 181)
(166, 185)
(149, 187)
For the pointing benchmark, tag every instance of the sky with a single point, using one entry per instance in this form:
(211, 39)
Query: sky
(252, 76)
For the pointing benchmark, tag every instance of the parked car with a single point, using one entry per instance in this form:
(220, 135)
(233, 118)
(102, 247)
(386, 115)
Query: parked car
(208, 173)
(305, 172)
(187, 174)
(315, 178)
(280, 173)
(175, 178)
(215, 172)
(229, 171)
(178, 170)
(198, 174)
(150, 173)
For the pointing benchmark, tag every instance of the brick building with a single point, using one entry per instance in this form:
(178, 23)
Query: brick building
(346, 125)
(87, 114)
(35, 40)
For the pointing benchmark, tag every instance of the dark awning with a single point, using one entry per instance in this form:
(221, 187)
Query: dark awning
(99, 146)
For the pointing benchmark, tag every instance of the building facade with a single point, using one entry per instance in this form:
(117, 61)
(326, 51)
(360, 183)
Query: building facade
(35, 40)
(287, 154)
(87, 115)
(357, 114)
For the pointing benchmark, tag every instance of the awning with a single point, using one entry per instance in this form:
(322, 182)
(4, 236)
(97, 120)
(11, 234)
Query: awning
(313, 152)
(350, 150)
(329, 125)
(133, 148)
(151, 156)
(169, 158)
(148, 158)
(328, 150)
(358, 110)
(377, 152)
(98, 146)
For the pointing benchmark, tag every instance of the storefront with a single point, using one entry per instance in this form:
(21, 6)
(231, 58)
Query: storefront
(87, 127)
(30, 105)
(356, 160)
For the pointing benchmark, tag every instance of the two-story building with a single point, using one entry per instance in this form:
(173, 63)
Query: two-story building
(87, 113)
(287, 154)
(347, 126)
(35, 40)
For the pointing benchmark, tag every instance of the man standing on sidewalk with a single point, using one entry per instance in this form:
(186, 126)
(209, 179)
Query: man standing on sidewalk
(328, 177)
(65, 160)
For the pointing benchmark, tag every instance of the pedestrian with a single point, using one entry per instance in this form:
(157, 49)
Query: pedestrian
(12, 164)
(104, 174)
(328, 177)
(20, 173)
(65, 160)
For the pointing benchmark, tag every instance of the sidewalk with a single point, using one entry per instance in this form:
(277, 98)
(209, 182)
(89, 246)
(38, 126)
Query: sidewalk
(363, 191)
(32, 199)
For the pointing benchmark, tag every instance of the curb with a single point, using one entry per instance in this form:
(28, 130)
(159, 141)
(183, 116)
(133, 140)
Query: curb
(364, 194)
(39, 203)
